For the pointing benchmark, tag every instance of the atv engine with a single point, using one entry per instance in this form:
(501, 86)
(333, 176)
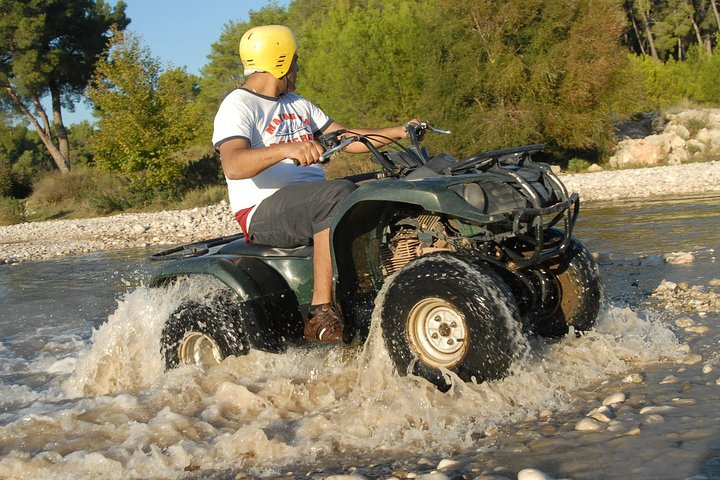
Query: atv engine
(411, 238)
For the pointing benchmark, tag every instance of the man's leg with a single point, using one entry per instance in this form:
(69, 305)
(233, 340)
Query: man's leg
(324, 323)
(322, 268)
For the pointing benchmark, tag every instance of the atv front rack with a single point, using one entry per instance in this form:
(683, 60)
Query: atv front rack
(528, 224)
(543, 249)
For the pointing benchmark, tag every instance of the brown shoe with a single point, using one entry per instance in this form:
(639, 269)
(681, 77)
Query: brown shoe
(324, 324)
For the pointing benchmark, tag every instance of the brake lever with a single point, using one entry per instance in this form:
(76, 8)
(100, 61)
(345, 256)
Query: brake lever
(436, 130)
(331, 152)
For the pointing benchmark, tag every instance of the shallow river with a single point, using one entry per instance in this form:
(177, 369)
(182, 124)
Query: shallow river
(83, 393)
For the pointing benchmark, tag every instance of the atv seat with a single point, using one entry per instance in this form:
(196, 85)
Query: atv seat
(241, 247)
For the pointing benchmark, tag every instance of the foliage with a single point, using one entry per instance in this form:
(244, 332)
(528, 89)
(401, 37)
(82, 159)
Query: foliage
(364, 66)
(11, 211)
(540, 72)
(204, 196)
(80, 143)
(144, 115)
(578, 165)
(49, 47)
(22, 151)
(5, 178)
(667, 29)
(672, 82)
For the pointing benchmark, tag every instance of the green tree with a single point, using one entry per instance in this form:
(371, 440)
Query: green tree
(531, 72)
(145, 115)
(363, 65)
(49, 48)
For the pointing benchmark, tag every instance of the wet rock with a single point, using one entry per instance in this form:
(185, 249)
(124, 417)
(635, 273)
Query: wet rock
(532, 474)
(634, 378)
(680, 258)
(692, 359)
(602, 414)
(345, 477)
(588, 424)
(682, 297)
(433, 476)
(615, 398)
(655, 409)
(653, 418)
(684, 322)
(669, 379)
(446, 463)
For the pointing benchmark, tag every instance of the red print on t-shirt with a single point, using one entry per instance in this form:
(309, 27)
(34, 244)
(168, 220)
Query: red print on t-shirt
(290, 127)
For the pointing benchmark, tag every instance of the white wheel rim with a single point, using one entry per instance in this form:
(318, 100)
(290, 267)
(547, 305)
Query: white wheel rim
(196, 348)
(438, 333)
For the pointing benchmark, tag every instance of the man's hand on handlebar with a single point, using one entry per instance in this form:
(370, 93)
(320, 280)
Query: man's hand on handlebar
(304, 153)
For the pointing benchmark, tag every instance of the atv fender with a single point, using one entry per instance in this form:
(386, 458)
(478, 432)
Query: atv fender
(432, 195)
(255, 283)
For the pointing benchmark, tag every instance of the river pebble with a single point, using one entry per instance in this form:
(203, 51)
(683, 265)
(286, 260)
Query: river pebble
(617, 397)
(654, 409)
(634, 378)
(679, 258)
(602, 414)
(589, 424)
(532, 474)
(683, 297)
(446, 463)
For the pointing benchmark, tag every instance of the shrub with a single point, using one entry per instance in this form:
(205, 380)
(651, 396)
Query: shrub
(56, 188)
(11, 211)
(204, 196)
(578, 165)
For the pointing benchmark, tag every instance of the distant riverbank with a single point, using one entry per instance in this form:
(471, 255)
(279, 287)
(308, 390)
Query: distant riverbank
(42, 240)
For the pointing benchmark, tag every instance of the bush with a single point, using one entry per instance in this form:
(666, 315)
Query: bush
(578, 165)
(204, 196)
(56, 188)
(11, 211)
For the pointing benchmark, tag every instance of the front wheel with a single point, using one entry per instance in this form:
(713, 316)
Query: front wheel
(203, 335)
(443, 312)
(580, 294)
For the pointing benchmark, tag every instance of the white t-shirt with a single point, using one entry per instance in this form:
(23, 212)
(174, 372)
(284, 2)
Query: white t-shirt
(265, 121)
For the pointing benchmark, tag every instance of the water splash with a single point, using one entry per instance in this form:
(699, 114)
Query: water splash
(121, 417)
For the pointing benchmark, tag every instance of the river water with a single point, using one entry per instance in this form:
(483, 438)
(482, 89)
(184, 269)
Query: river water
(83, 393)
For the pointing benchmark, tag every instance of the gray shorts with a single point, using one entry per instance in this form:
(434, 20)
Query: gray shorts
(292, 215)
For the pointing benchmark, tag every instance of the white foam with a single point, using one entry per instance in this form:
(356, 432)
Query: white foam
(261, 411)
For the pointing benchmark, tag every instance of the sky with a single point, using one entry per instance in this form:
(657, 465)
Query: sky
(179, 32)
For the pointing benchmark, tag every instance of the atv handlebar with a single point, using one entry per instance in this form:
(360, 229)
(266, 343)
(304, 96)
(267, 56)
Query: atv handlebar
(334, 142)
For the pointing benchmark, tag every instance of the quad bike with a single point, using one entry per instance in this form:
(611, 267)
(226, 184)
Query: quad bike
(468, 253)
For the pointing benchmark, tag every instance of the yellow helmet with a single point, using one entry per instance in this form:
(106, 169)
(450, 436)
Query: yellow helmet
(269, 48)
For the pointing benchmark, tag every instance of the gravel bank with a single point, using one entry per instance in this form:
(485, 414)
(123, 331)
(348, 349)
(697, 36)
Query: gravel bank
(42, 240)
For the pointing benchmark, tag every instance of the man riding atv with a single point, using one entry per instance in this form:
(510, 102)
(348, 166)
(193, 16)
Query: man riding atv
(266, 137)
(453, 260)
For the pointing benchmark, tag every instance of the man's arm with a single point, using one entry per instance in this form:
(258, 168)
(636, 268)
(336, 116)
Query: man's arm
(383, 135)
(240, 161)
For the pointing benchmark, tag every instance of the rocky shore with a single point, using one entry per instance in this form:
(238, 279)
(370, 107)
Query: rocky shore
(43, 240)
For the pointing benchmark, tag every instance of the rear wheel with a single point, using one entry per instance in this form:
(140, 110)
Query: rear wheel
(204, 335)
(441, 312)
